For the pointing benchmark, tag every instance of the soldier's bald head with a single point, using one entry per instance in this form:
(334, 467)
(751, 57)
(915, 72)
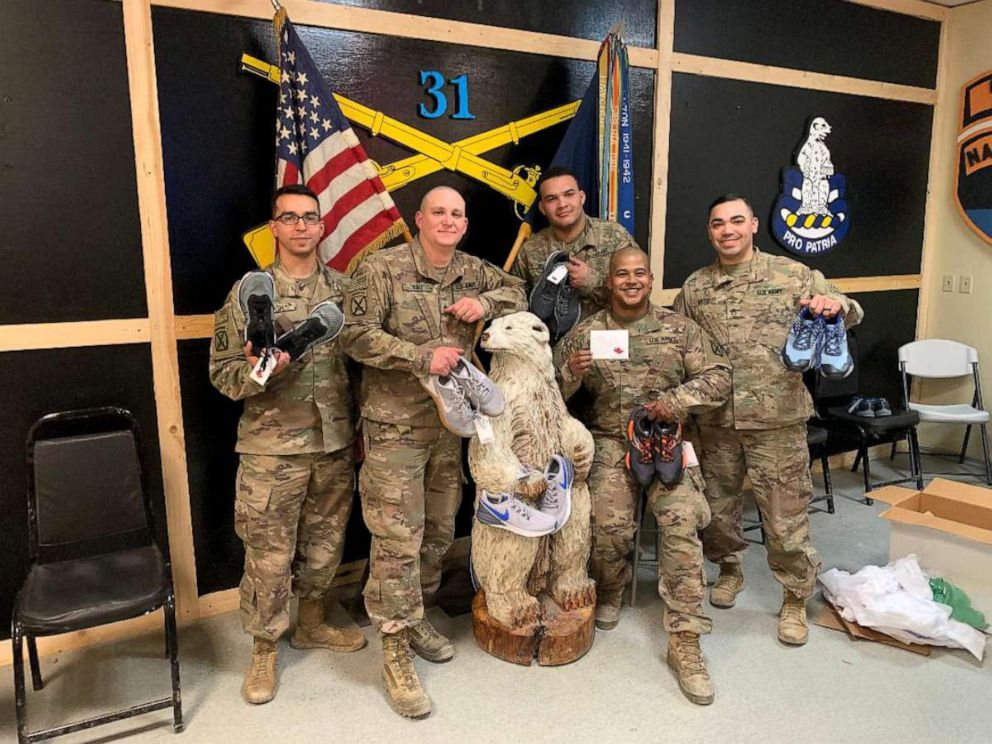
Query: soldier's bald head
(440, 192)
(629, 251)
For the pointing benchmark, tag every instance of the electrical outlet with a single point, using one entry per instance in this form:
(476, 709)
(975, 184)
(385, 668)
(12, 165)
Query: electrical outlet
(948, 282)
(964, 284)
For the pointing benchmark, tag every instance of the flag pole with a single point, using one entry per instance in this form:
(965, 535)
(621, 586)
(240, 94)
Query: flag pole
(276, 5)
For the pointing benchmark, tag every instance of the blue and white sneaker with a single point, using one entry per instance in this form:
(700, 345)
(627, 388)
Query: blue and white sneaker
(835, 359)
(557, 501)
(803, 344)
(510, 513)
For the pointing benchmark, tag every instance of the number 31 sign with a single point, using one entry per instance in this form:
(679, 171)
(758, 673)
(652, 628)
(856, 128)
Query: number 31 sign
(434, 81)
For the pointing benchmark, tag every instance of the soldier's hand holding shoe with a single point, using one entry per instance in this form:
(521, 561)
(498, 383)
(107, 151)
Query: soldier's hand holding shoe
(444, 359)
(661, 410)
(467, 310)
(282, 359)
(578, 272)
(822, 305)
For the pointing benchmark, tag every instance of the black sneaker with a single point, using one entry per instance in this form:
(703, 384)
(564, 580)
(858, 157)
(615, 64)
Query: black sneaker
(865, 408)
(640, 446)
(255, 294)
(881, 407)
(567, 311)
(545, 293)
(668, 452)
(322, 325)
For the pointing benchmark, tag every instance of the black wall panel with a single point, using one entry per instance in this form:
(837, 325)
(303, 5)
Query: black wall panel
(828, 36)
(41, 382)
(217, 129)
(890, 322)
(578, 18)
(68, 200)
(728, 135)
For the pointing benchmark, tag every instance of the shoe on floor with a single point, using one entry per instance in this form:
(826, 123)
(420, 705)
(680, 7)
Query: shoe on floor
(313, 632)
(260, 678)
(403, 689)
(728, 585)
(793, 628)
(510, 513)
(428, 643)
(685, 657)
(607, 616)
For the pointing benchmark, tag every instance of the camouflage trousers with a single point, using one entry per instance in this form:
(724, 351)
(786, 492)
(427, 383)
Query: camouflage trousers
(777, 463)
(680, 512)
(291, 512)
(410, 484)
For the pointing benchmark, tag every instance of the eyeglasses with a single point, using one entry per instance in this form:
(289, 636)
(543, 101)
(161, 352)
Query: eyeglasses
(291, 218)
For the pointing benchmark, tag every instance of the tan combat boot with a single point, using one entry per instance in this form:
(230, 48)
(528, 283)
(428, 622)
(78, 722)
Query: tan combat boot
(728, 585)
(313, 632)
(607, 616)
(430, 644)
(792, 626)
(260, 679)
(686, 659)
(403, 689)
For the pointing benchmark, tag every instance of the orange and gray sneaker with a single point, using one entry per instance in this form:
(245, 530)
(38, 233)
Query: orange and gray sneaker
(668, 452)
(641, 444)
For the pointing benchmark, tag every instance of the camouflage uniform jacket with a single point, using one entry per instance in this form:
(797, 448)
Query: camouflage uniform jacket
(309, 406)
(748, 310)
(395, 319)
(671, 359)
(599, 240)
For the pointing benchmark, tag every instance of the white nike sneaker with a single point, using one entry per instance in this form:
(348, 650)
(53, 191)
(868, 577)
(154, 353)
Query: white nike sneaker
(510, 513)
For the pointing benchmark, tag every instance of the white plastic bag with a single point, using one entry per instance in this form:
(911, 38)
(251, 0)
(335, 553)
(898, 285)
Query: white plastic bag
(896, 600)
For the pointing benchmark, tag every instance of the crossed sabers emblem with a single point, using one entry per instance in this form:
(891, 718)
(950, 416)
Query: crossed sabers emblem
(434, 154)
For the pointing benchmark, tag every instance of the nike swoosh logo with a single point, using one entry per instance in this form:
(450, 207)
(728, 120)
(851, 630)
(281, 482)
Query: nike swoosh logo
(504, 515)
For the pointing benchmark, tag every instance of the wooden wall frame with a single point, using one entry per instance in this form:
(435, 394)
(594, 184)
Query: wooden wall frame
(162, 329)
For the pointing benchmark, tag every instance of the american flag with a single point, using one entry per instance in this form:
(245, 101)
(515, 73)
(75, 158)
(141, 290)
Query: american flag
(316, 145)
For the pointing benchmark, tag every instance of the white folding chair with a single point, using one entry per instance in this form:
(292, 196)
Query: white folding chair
(940, 358)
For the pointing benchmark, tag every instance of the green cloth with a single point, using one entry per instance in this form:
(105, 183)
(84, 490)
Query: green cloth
(961, 610)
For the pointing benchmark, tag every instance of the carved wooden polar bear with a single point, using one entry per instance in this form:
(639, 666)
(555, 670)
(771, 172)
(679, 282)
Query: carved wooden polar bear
(535, 425)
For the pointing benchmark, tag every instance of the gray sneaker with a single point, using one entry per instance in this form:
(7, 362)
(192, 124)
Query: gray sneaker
(256, 294)
(453, 406)
(321, 326)
(557, 501)
(482, 392)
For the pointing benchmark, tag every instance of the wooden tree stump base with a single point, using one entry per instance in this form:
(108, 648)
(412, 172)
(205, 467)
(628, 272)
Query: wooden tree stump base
(559, 637)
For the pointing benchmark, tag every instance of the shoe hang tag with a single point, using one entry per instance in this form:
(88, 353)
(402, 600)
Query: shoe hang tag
(609, 344)
(689, 459)
(558, 273)
(265, 366)
(484, 428)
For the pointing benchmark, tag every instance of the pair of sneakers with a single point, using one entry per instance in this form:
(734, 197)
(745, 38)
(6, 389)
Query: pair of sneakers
(506, 511)
(256, 294)
(463, 396)
(815, 342)
(654, 449)
(553, 299)
(869, 407)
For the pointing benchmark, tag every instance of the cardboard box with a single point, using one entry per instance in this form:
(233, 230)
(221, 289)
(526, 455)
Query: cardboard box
(948, 525)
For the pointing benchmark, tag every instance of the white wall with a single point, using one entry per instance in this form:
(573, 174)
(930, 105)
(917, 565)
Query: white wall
(957, 250)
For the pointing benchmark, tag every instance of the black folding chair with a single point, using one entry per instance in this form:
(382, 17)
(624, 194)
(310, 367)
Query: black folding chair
(846, 430)
(94, 555)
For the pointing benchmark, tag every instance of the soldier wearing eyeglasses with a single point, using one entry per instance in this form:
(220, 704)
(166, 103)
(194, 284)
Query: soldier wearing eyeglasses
(295, 479)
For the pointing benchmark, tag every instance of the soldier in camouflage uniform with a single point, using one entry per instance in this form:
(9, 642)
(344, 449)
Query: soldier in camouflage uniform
(589, 242)
(674, 370)
(295, 482)
(747, 301)
(411, 312)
